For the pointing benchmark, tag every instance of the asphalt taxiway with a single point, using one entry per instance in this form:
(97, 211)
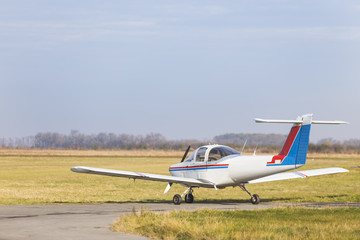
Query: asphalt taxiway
(92, 221)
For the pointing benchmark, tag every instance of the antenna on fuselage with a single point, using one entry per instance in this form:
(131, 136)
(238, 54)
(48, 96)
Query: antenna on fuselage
(242, 150)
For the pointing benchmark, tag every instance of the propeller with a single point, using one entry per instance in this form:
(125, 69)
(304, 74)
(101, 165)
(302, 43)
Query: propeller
(186, 152)
(183, 158)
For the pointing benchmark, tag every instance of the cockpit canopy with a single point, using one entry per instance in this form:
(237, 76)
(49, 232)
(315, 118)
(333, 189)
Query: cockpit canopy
(211, 153)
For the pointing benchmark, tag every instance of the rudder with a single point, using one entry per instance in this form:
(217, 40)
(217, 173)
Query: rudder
(303, 145)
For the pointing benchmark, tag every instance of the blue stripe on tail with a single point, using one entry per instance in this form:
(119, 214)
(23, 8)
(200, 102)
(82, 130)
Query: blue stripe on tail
(303, 144)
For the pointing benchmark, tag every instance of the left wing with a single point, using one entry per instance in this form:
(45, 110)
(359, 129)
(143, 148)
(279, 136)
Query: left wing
(299, 174)
(191, 182)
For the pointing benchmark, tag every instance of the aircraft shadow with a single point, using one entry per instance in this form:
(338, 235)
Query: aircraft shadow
(203, 201)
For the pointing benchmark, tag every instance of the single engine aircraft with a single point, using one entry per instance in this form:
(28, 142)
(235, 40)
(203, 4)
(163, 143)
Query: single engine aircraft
(219, 166)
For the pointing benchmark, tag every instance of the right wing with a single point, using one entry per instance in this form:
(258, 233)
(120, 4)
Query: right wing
(299, 174)
(191, 182)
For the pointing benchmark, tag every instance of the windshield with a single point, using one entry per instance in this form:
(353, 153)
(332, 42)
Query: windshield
(191, 157)
(218, 153)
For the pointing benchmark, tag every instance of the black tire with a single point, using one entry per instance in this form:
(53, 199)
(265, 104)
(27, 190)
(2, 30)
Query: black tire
(177, 199)
(255, 199)
(189, 198)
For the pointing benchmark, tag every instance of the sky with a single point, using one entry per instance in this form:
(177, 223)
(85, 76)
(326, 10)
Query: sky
(185, 69)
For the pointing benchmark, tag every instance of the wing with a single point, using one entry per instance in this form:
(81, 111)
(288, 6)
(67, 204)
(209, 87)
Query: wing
(299, 174)
(144, 176)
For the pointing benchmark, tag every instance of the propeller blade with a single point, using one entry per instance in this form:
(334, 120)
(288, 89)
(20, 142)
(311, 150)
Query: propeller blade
(187, 150)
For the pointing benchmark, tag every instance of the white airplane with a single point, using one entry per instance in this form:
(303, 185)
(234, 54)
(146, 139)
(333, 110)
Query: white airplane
(218, 166)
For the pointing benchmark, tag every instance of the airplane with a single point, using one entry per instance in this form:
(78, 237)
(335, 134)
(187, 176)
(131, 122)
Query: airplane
(218, 166)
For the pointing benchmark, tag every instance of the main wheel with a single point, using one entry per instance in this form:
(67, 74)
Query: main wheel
(177, 199)
(255, 199)
(189, 198)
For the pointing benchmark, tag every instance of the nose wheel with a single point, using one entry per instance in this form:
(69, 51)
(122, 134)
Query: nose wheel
(255, 199)
(189, 197)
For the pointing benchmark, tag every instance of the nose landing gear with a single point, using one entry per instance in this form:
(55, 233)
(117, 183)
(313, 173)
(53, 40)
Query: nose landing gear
(189, 197)
(255, 199)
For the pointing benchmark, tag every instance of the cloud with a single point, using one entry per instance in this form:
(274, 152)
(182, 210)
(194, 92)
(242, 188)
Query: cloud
(266, 33)
(191, 9)
(37, 32)
(40, 33)
(35, 25)
(321, 33)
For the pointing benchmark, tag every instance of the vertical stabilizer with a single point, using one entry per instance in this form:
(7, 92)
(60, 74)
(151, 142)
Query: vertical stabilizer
(296, 145)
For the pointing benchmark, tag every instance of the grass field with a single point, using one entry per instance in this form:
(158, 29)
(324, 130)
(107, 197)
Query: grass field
(44, 177)
(281, 223)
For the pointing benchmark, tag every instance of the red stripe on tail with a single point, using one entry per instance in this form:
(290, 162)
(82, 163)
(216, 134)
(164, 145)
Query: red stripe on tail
(287, 146)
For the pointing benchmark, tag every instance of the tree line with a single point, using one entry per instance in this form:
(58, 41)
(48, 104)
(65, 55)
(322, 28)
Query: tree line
(263, 143)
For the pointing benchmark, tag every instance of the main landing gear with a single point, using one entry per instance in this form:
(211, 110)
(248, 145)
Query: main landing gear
(255, 199)
(189, 197)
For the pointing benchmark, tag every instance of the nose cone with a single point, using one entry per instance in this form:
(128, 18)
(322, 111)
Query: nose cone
(172, 167)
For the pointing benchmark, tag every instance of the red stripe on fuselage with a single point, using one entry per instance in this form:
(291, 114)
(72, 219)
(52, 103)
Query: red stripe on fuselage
(287, 146)
(200, 166)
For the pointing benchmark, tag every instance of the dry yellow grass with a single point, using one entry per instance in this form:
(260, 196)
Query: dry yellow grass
(279, 223)
(42, 177)
(332, 155)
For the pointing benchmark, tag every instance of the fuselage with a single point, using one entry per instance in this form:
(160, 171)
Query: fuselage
(231, 170)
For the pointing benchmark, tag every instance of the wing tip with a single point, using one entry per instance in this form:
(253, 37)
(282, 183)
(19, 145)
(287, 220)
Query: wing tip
(79, 169)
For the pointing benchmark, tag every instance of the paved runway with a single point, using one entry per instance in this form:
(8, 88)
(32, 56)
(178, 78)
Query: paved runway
(92, 221)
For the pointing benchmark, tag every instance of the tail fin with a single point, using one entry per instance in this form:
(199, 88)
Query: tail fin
(296, 145)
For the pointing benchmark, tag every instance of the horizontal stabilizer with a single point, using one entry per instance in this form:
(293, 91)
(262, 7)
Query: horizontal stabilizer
(329, 122)
(305, 119)
(299, 174)
(259, 120)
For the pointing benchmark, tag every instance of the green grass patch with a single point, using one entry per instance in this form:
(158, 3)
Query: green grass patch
(280, 223)
(48, 180)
